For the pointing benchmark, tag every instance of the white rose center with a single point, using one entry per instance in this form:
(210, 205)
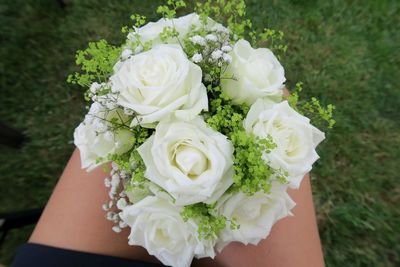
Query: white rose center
(287, 139)
(155, 70)
(190, 160)
(249, 210)
(259, 71)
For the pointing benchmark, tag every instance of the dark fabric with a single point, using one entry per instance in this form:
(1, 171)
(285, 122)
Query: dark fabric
(32, 255)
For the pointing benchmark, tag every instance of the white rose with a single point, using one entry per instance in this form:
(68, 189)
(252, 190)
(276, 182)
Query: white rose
(257, 74)
(157, 225)
(158, 83)
(189, 160)
(255, 214)
(295, 137)
(151, 31)
(95, 141)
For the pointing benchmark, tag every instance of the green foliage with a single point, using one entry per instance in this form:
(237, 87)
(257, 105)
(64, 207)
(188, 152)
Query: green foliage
(96, 63)
(168, 33)
(293, 98)
(230, 13)
(270, 38)
(138, 20)
(138, 168)
(169, 10)
(135, 161)
(251, 172)
(320, 116)
(209, 224)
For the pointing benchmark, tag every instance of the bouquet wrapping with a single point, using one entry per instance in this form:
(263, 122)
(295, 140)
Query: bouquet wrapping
(200, 142)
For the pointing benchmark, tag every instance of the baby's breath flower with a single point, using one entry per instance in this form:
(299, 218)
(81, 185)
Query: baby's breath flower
(217, 54)
(197, 39)
(226, 48)
(122, 224)
(94, 87)
(211, 37)
(197, 58)
(110, 215)
(128, 111)
(126, 54)
(95, 108)
(121, 203)
(220, 28)
(105, 207)
(117, 229)
(227, 58)
(107, 182)
(207, 78)
(114, 166)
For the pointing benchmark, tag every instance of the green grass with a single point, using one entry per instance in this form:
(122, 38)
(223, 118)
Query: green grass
(345, 52)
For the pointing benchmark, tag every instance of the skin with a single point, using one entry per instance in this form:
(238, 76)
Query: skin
(73, 219)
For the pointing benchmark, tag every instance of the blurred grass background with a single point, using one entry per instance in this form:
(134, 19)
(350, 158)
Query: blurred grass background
(346, 53)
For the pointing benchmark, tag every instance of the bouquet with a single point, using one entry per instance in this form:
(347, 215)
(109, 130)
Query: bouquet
(201, 142)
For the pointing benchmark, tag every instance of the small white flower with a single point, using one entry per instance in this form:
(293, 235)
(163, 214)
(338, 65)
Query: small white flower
(115, 177)
(122, 224)
(107, 182)
(114, 165)
(226, 48)
(105, 207)
(197, 58)
(115, 181)
(117, 229)
(207, 78)
(95, 108)
(121, 203)
(197, 39)
(219, 28)
(227, 58)
(126, 54)
(128, 111)
(211, 37)
(123, 174)
(94, 87)
(110, 215)
(217, 54)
